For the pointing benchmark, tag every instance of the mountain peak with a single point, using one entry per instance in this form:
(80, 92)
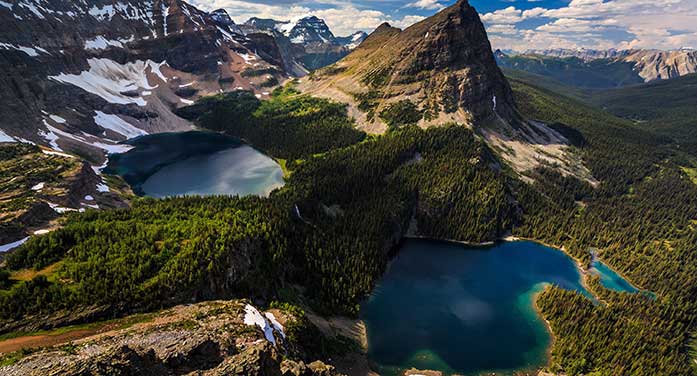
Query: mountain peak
(312, 18)
(222, 17)
(444, 64)
(310, 29)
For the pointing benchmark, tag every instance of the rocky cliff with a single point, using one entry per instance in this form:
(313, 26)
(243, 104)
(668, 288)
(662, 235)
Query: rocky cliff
(82, 76)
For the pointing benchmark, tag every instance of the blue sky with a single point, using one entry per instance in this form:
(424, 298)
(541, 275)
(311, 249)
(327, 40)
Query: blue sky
(511, 24)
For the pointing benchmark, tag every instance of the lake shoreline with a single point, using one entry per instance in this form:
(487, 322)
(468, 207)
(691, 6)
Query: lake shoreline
(621, 275)
(543, 352)
(451, 241)
(548, 326)
(196, 163)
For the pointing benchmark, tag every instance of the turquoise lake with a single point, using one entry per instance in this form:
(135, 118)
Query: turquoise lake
(195, 163)
(610, 279)
(462, 310)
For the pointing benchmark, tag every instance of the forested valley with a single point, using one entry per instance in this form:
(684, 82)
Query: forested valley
(327, 236)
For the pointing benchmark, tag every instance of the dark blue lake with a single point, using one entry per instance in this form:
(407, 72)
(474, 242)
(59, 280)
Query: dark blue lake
(195, 163)
(462, 310)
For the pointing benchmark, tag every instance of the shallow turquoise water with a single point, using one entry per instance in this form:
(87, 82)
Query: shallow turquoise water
(611, 280)
(447, 307)
(195, 163)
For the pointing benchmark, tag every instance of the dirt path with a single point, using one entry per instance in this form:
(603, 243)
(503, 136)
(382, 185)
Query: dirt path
(45, 340)
(67, 334)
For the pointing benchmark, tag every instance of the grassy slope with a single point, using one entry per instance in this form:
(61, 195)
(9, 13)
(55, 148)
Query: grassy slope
(666, 108)
(23, 167)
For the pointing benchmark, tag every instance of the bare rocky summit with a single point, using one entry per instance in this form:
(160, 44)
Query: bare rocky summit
(444, 65)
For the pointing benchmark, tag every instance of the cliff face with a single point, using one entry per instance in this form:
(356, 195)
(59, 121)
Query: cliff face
(81, 76)
(443, 64)
(663, 65)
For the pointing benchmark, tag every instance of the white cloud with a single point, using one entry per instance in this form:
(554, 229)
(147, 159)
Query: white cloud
(425, 4)
(663, 24)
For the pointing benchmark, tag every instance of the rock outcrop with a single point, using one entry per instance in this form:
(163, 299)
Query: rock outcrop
(212, 338)
(37, 186)
(441, 70)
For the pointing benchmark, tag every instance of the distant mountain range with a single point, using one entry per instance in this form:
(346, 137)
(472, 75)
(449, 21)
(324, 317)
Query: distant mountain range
(306, 44)
(601, 69)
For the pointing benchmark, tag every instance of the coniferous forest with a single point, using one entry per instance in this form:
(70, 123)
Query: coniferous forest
(326, 237)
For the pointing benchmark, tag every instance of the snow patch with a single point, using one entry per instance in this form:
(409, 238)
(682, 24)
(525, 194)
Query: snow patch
(101, 43)
(50, 152)
(53, 134)
(42, 231)
(248, 58)
(186, 101)
(11, 246)
(126, 11)
(89, 198)
(59, 209)
(51, 137)
(109, 79)
(32, 8)
(276, 325)
(253, 317)
(165, 14)
(6, 5)
(38, 187)
(118, 125)
(57, 119)
(102, 188)
(4, 137)
(31, 51)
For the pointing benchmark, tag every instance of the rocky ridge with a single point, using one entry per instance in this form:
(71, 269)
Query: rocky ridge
(39, 185)
(650, 65)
